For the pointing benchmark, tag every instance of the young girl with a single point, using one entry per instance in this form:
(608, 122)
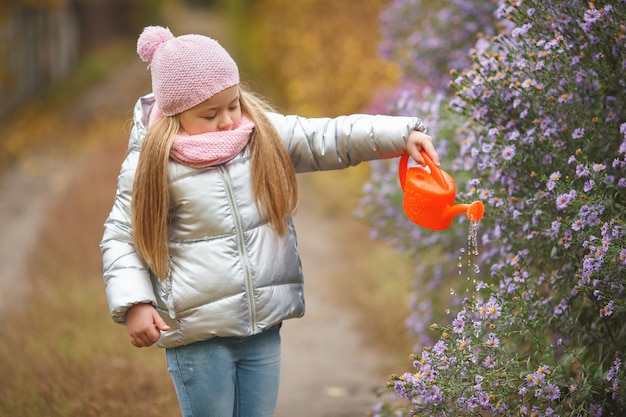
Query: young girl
(199, 250)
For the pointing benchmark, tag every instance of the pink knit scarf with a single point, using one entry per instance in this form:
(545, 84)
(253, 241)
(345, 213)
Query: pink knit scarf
(213, 148)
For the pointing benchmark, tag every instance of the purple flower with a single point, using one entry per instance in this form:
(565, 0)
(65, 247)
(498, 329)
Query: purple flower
(458, 325)
(562, 201)
(483, 399)
(577, 225)
(433, 394)
(566, 239)
(439, 348)
(614, 369)
(489, 362)
(566, 98)
(508, 152)
(607, 310)
(493, 341)
(552, 392)
(595, 410)
(472, 402)
(598, 167)
(578, 133)
(463, 344)
(560, 307)
(493, 309)
(591, 15)
(552, 179)
(521, 31)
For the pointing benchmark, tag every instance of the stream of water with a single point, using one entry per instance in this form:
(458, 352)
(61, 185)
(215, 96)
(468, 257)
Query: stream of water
(467, 262)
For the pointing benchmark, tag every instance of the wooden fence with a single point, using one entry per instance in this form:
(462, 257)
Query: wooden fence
(37, 47)
(41, 41)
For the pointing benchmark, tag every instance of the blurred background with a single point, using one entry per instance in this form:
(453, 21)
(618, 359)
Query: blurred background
(69, 77)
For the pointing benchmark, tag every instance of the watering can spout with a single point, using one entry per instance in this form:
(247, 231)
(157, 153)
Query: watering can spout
(475, 211)
(453, 211)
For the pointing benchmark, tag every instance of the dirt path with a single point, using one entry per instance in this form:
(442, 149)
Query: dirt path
(327, 370)
(26, 194)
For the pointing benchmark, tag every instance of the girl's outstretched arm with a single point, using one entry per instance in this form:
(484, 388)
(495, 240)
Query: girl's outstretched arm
(323, 144)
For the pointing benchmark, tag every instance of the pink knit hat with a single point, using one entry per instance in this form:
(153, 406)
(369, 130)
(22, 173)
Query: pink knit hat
(186, 70)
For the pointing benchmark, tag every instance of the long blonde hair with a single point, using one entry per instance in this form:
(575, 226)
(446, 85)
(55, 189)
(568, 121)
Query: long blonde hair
(273, 180)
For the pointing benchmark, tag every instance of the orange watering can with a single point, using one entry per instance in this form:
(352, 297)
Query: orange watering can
(429, 196)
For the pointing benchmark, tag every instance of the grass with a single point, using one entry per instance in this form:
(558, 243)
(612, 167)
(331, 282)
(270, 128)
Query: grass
(61, 354)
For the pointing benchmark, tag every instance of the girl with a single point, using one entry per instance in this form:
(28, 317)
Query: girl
(199, 250)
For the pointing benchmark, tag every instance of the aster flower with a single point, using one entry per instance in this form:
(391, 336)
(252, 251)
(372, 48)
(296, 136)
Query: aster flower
(489, 362)
(598, 167)
(595, 410)
(578, 133)
(552, 392)
(508, 152)
(562, 201)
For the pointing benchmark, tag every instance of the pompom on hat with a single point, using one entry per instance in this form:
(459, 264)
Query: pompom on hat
(186, 70)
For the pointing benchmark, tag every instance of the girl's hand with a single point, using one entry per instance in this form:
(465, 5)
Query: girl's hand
(418, 141)
(144, 325)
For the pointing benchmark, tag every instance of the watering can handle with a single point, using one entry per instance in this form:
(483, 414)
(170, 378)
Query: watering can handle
(435, 171)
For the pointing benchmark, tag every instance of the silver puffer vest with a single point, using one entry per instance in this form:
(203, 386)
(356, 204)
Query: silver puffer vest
(231, 275)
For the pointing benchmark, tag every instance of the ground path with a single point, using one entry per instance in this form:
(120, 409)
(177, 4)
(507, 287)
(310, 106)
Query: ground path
(327, 370)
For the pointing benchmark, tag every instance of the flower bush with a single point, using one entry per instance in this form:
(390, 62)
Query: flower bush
(541, 331)
(428, 38)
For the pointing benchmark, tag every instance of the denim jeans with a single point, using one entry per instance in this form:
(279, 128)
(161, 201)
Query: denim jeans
(227, 376)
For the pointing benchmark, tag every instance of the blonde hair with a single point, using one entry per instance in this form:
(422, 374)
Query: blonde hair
(273, 180)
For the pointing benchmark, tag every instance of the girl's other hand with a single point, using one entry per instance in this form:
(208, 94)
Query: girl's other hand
(144, 325)
(418, 141)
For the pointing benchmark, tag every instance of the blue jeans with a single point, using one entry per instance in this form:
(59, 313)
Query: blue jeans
(227, 376)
